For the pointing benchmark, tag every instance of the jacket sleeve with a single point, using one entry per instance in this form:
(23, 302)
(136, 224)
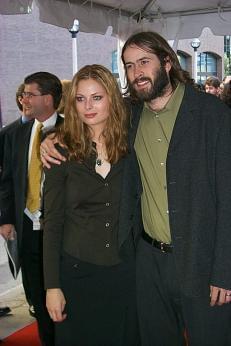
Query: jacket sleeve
(220, 275)
(7, 207)
(54, 214)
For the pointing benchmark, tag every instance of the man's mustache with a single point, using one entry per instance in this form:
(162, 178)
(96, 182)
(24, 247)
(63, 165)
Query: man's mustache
(141, 79)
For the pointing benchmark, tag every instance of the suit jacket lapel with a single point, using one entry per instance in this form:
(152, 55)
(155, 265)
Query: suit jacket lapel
(136, 110)
(130, 196)
(23, 143)
(59, 120)
(131, 186)
(184, 118)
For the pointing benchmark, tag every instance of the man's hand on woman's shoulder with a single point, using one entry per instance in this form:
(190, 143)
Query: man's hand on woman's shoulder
(49, 154)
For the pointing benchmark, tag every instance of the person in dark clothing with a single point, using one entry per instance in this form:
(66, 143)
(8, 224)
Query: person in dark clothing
(21, 185)
(225, 95)
(183, 144)
(89, 238)
(10, 130)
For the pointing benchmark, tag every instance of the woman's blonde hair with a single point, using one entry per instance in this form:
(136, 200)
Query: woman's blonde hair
(66, 84)
(76, 135)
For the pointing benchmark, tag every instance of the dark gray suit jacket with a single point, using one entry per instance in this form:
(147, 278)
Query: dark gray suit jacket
(7, 129)
(13, 187)
(199, 191)
(130, 220)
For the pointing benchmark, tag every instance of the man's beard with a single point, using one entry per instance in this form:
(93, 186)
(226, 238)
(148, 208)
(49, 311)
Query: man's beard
(157, 89)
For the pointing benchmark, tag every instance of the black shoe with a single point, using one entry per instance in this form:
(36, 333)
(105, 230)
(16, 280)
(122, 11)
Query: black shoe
(31, 311)
(4, 311)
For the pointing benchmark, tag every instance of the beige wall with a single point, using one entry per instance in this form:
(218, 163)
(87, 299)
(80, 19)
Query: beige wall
(28, 46)
(209, 43)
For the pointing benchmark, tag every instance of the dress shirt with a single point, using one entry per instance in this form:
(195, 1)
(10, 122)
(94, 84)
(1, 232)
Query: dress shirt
(47, 125)
(151, 145)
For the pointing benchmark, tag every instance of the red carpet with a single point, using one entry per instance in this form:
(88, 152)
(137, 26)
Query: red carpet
(27, 336)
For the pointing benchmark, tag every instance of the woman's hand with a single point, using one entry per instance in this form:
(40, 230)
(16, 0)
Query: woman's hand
(55, 303)
(49, 154)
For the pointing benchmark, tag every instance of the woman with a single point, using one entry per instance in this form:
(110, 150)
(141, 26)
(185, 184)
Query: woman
(66, 84)
(88, 237)
(226, 94)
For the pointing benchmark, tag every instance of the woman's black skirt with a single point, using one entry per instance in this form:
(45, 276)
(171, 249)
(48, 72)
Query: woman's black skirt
(100, 304)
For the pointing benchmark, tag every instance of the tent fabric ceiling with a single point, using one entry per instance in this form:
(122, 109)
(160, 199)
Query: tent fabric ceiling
(15, 6)
(173, 19)
(176, 19)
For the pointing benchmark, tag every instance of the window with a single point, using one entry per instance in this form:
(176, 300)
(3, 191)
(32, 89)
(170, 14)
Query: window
(227, 55)
(114, 65)
(182, 60)
(227, 43)
(207, 66)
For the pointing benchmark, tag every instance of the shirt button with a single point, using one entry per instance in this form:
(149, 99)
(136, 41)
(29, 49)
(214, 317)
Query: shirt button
(159, 140)
(107, 224)
(167, 211)
(107, 245)
(107, 204)
(106, 184)
(162, 163)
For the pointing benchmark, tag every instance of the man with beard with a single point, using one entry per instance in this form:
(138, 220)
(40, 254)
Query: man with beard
(183, 144)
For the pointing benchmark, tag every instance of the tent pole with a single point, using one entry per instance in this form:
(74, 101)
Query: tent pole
(74, 31)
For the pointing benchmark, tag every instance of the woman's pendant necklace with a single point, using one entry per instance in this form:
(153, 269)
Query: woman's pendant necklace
(100, 158)
(98, 161)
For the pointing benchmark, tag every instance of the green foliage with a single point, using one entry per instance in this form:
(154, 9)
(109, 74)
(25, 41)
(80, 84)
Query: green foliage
(227, 65)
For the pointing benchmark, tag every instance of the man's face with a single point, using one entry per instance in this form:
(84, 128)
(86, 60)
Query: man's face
(212, 90)
(34, 103)
(24, 110)
(146, 77)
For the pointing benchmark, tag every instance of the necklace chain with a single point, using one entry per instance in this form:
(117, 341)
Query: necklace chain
(100, 157)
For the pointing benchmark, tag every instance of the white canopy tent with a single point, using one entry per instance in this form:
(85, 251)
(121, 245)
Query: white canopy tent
(175, 20)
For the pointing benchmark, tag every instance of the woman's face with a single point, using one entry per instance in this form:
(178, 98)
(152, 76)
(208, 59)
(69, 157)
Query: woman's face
(92, 104)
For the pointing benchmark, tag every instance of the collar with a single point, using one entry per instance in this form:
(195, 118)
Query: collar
(49, 123)
(173, 102)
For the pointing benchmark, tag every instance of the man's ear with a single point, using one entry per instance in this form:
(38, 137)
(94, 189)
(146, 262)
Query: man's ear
(168, 64)
(48, 99)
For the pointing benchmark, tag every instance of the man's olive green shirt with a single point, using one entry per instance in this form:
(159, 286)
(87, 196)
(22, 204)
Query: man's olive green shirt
(151, 145)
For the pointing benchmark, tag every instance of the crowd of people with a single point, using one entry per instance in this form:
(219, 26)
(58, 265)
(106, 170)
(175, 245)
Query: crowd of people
(220, 89)
(124, 233)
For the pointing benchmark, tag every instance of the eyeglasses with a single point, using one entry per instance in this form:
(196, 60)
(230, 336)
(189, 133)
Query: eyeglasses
(30, 95)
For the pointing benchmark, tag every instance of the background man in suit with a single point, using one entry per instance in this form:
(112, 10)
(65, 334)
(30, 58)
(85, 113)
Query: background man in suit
(21, 184)
(14, 124)
(9, 129)
(183, 144)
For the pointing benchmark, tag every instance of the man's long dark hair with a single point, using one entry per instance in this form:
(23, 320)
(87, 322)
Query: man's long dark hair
(152, 42)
